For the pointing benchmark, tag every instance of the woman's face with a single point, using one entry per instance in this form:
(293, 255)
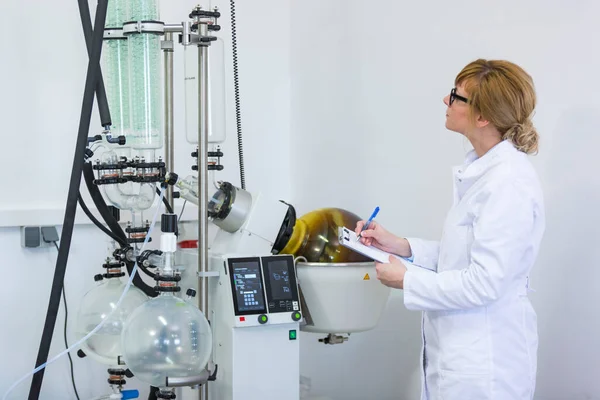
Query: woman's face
(457, 113)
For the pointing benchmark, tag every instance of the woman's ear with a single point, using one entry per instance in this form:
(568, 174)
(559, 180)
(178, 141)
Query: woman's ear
(481, 122)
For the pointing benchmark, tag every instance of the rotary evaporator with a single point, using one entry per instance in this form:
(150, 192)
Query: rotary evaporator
(195, 317)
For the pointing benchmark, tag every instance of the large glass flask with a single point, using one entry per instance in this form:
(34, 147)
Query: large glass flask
(105, 345)
(315, 237)
(166, 337)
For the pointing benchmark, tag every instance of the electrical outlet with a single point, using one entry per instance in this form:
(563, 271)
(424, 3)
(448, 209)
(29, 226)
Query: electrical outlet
(38, 236)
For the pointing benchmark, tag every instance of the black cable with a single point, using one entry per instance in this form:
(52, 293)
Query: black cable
(65, 334)
(86, 23)
(166, 202)
(236, 84)
(104, 229)
(71, 206)
(181, 213)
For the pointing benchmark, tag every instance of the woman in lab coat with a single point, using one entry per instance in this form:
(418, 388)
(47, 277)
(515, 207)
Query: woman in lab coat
(479, 328)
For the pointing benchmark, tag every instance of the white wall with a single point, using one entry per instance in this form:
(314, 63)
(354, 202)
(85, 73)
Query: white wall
(365, 83)
(44, 75)
(368, 129)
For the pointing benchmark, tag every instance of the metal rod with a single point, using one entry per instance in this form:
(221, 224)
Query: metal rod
(169, 130)
(203, 178)
(173, 28)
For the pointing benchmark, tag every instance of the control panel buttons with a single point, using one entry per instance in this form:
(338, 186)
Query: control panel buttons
(296, 316)
(262, 319)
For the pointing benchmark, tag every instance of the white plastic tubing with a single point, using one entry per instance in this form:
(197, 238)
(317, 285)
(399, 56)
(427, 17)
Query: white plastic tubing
(76, 345)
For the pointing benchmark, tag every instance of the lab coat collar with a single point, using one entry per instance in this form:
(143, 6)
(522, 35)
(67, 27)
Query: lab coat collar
(475, 167)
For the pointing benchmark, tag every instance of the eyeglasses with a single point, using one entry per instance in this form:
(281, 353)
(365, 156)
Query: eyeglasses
(454, 96)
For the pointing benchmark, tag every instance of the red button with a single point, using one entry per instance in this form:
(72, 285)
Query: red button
(242, 319)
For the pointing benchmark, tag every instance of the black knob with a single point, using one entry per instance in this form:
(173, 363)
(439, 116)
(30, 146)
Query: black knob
(88, 153)
(214, 28)
(172, 178)
(195, 154)
(122, 140)
(81, 354)
(296, 316)
(194, 168)
(262, 319)
(98, 278)
(168, 223)
(128, 373)
(176, 195)
(191, 292)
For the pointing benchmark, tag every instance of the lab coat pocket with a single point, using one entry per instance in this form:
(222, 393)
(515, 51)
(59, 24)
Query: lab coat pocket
(461, 386)
(464, 342)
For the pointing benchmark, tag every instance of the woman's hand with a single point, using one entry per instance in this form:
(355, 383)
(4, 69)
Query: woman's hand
(391, 274)
(375, 235)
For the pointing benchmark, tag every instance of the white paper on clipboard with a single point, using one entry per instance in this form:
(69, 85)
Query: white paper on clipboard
(347, 239)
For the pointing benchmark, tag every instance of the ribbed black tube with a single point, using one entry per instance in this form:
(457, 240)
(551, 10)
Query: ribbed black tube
(86, 22)
(71, 208)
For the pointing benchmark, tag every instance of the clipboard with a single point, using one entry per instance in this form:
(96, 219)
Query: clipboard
(347, 238)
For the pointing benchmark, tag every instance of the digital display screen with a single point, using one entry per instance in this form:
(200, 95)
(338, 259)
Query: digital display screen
(247, 283)
(279, 280)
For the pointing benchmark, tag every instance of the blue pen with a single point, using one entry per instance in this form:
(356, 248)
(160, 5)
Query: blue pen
(368, 222)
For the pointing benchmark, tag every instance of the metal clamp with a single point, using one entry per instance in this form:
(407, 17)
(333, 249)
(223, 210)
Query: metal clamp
(143, 27)
(113, 33)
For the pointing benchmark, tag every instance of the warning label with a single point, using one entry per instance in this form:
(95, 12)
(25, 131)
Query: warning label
(366, 278)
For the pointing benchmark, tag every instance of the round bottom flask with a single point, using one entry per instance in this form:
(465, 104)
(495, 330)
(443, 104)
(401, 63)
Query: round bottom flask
(166, 337)
(105, 345)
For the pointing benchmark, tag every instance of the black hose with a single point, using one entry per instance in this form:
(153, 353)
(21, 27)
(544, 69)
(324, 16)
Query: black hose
(139, 282)
(71, 206)
(104, 229)
(236, 84)
(166, 202)
(107, 216)
(86, 22)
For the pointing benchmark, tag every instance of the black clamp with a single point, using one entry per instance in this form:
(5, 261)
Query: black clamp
(162, 394)
(173, 288)
(204, 13)
(142, 258)
(116, 377)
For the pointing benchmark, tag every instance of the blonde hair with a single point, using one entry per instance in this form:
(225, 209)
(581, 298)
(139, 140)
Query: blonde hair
(503, 93)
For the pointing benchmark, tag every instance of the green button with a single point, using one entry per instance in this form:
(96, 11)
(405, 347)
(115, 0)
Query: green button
(298, 315)
(293, 334)
(264, 318)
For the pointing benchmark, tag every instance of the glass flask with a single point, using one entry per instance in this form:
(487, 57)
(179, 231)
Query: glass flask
(105, 345)
(131, 196)
(166, 337)
(315, 237)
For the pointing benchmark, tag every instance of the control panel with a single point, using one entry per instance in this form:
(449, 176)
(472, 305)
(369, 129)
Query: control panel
(264, 286)
(280, 284)
(247, 286)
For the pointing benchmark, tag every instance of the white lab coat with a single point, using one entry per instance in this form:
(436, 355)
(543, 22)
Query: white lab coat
(479, 328)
